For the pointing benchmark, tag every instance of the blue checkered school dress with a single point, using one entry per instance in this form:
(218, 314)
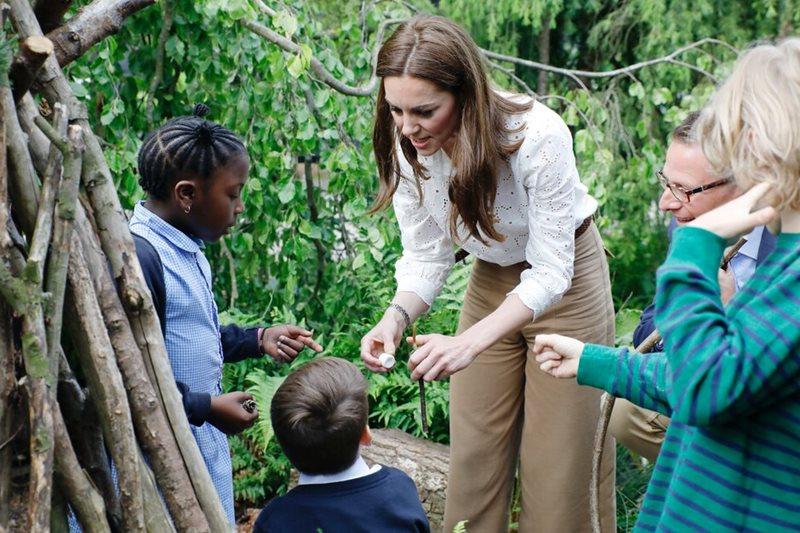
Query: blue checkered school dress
(192, 333)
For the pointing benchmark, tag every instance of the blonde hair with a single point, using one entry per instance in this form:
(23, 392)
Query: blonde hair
(440, 51)
(751, 127)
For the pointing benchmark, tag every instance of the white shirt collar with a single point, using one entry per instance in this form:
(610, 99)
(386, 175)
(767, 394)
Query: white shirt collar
(356, 470)
(750, 248)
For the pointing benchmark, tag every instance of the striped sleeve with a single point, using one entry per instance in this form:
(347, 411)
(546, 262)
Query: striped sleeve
(640, 379)
(722, 366)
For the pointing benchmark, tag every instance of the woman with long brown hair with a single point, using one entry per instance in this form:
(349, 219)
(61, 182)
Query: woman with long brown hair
(467, 166)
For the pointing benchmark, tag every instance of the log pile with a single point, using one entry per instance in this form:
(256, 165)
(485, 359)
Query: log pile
(84, 376)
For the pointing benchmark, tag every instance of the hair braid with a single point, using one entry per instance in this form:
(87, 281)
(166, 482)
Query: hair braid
(185, 146)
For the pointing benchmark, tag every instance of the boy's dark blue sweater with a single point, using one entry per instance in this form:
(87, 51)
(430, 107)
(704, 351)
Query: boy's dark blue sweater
(385, 501)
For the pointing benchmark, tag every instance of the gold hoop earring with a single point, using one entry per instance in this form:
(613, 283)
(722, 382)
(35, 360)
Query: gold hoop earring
(189, 208)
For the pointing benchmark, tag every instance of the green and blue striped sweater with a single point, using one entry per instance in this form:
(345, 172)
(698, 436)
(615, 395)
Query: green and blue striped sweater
(730, 380)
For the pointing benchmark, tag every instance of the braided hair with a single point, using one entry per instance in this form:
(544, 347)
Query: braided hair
(185, 145)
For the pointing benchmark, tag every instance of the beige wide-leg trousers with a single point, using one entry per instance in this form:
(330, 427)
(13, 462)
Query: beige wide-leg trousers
(507, 415)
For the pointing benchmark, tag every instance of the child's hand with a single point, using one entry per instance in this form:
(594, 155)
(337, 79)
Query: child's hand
(559, 356)
(283, 343)
(229, 415)
(737, 216)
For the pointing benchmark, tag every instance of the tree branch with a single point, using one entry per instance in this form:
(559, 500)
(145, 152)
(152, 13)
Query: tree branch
(91, 25)
(31, 56)
(317, 67)
(62, 233)
(166, 25)
(573, 73)
(84, 498)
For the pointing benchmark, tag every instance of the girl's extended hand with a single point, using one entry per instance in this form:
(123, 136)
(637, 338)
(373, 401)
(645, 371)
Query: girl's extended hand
(441, 356)
(228, 414)
(558, 355)
(382, 338)
(284, 342)
(737, 217)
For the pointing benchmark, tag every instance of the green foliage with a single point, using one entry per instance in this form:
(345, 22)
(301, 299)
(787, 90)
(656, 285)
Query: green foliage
(305, 250)
(263, 387)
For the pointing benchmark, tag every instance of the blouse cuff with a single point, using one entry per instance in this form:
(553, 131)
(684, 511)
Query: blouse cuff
(426, 290)
(530, 292)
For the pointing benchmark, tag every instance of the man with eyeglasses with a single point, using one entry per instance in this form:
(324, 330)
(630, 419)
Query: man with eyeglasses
(690, 189)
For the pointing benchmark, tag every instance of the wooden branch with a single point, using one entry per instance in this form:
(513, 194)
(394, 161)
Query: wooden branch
(366, 89)
(85, 324)
(23, 183)
(80, 416)
(606, 407)
(38, 143)
(118, 247)
(152, 427)
(62, 235)
(156, 516)
(84, 498)
(316, 66)
(167, 10)
(33, 52)
(90, 25)
(573, 73)
(544, 51)
(40, 242)
(50, 13)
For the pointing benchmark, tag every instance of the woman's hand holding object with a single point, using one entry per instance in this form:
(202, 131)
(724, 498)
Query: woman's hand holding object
(441, 356)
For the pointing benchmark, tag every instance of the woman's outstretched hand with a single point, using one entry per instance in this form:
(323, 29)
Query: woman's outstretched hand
(384, 337)
(441, 356)
(737, 217)
(558, 355)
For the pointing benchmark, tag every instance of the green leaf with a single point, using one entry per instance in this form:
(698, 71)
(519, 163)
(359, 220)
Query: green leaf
(286, 193)
(263, 388)
(285, 23)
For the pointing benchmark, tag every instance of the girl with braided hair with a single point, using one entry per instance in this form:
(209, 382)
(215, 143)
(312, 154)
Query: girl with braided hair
(193, 172)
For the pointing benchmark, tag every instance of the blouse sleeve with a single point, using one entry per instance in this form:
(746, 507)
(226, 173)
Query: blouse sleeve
(427, 250)
(547, 167)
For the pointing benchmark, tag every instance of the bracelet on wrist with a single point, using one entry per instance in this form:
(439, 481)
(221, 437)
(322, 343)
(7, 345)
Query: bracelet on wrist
(403, 313)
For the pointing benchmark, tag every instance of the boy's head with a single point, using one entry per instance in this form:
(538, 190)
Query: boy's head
(319, 415)
(196, 168)
(750, 126)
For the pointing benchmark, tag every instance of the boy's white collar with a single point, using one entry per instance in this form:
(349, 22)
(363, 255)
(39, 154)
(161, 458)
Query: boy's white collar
(358, 469)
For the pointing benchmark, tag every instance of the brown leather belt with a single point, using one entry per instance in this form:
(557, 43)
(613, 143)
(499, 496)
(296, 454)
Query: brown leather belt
(580, 230)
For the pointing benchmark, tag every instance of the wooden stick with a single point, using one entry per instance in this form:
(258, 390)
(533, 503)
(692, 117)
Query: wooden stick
(423, 409)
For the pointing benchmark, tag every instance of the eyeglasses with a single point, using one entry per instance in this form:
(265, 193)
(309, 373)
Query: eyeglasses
(684, 195)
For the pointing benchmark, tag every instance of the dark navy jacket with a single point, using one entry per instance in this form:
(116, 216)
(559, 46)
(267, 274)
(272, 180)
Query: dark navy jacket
(382, 502)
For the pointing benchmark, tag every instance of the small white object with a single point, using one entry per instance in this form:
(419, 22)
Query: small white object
(386, 360)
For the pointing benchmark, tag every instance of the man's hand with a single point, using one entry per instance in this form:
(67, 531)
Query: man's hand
(727, 284)
(284, 342)
(229, 415)
(558, 355)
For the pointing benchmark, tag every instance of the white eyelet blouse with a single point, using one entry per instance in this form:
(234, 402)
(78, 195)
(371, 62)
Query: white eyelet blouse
(540, 202)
